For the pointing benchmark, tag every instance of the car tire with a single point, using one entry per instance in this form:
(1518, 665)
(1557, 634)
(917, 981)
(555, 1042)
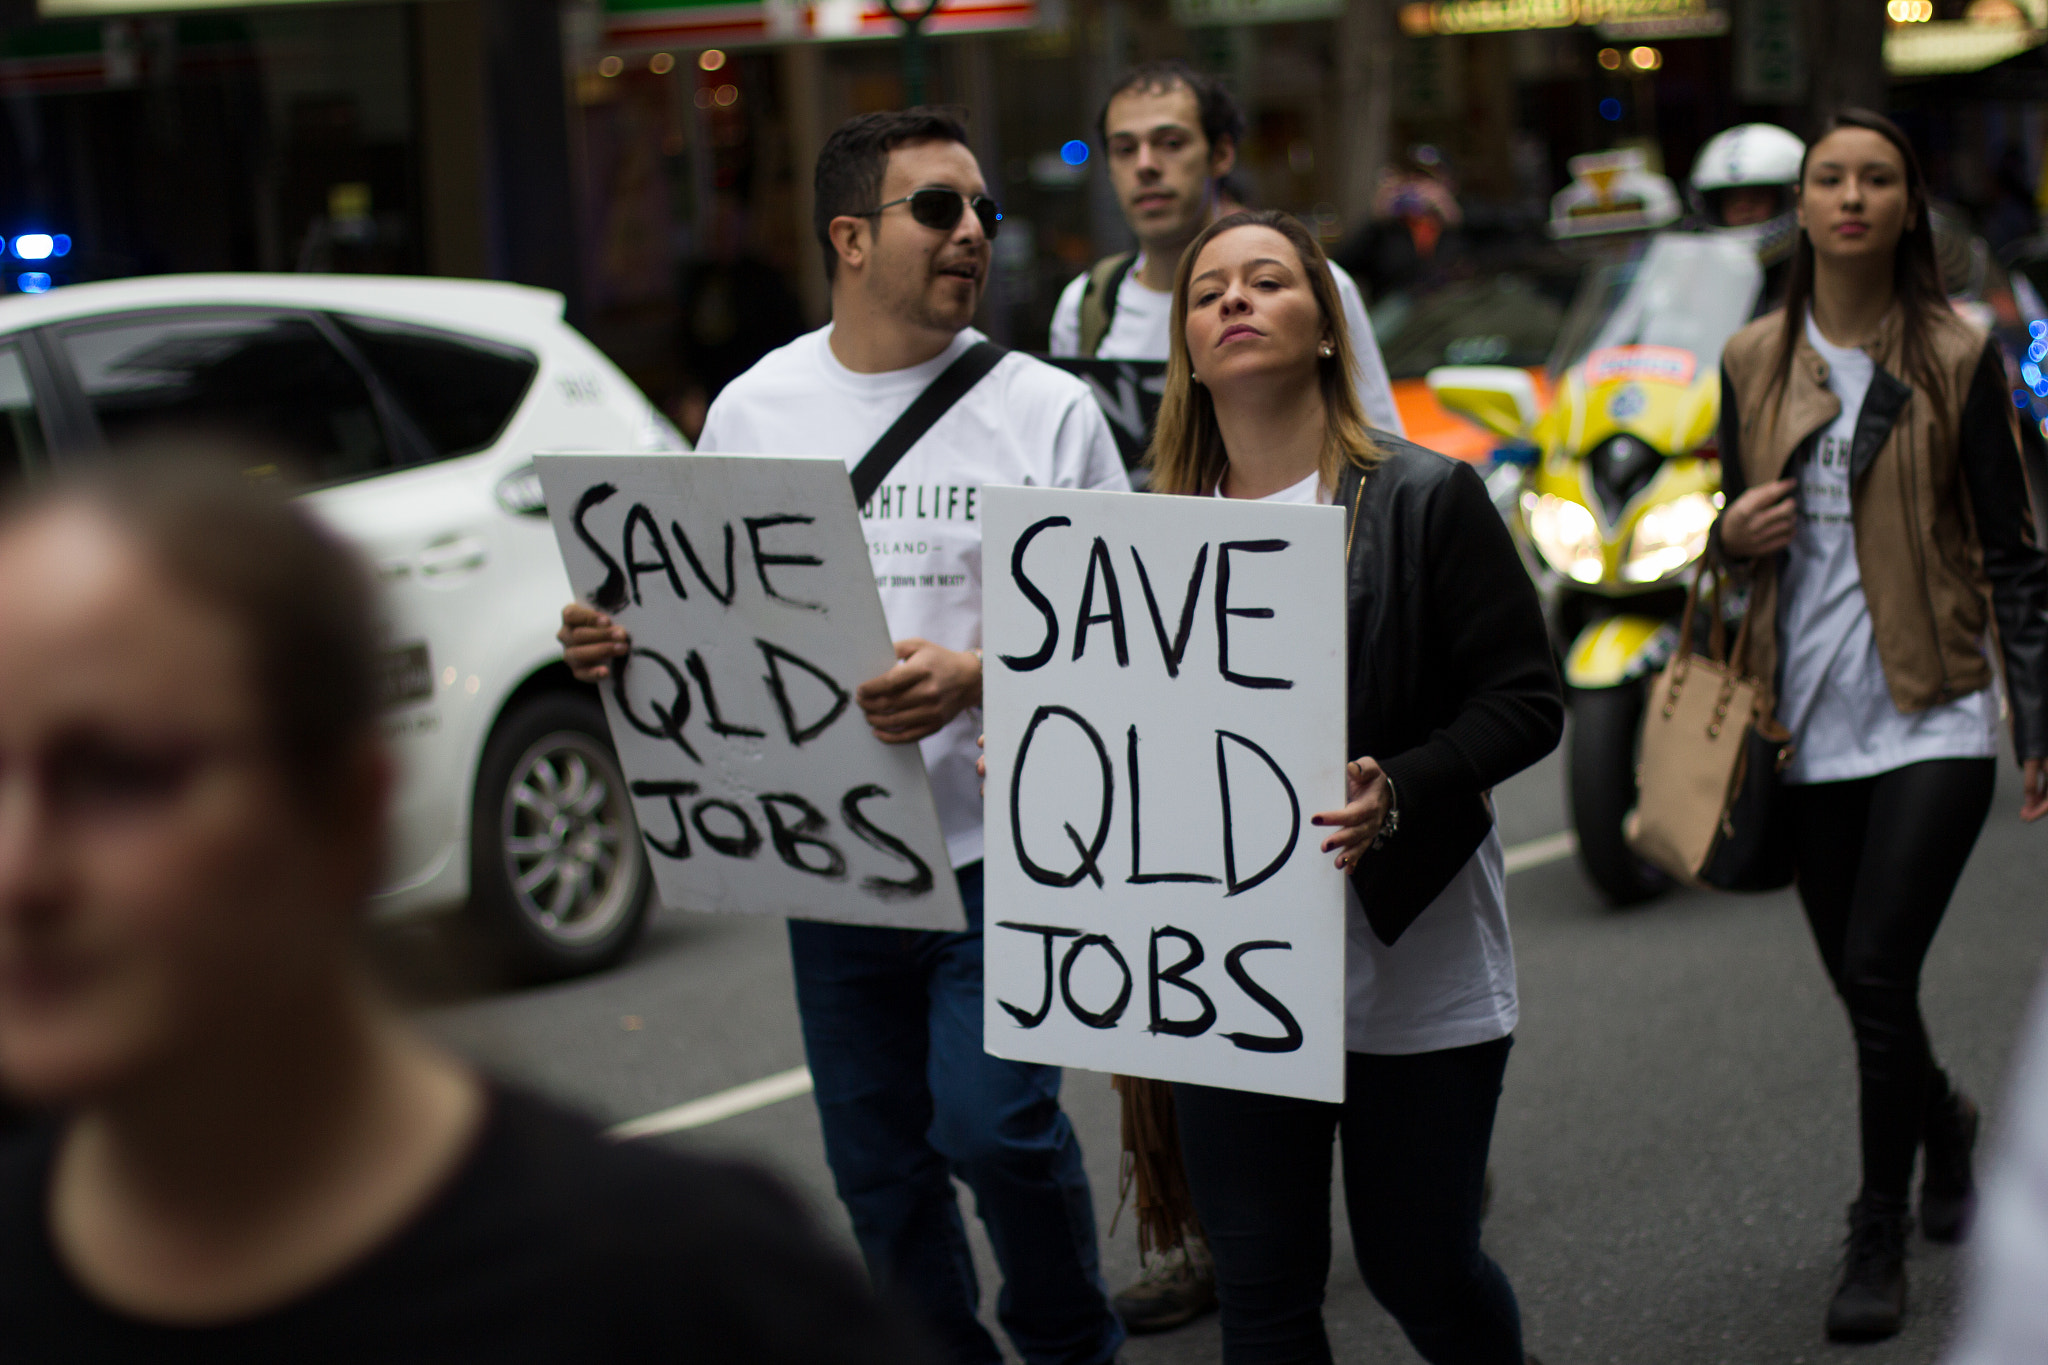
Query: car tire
(1606, 725)
(558, 878)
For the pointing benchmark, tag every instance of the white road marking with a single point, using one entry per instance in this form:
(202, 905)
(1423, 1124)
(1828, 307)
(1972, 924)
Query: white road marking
(787, 1085)
(741, 1099)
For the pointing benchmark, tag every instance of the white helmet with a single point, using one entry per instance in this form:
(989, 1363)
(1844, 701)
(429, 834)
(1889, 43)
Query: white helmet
(1758, 156)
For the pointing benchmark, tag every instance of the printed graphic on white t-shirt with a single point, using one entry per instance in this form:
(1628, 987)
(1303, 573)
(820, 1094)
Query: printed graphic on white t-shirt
(1138, 331)
(1024, 423)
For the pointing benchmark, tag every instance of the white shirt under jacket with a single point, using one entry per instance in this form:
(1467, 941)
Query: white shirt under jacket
(1449, 981)
(1143, 317)
(1024, 423)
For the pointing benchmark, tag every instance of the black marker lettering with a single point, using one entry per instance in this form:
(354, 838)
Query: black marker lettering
(1089, 852)
(776, 656)
(792, 840)
(635, 519)
(745, 844)
(683, 543)
(1172, 653)
(763, 559)
(695, 663)
(669, 722)
(1224, 611)
(679, 848)
(918, 883)
(1098, 554)
(1140, 877)
(610, 594)
(1039, 657)
(1177, 975)
(1094, 1018)
(1230, 835)
(1233, 962)
(1032, 1019)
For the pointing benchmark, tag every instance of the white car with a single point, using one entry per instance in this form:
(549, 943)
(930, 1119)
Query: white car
(409, 410)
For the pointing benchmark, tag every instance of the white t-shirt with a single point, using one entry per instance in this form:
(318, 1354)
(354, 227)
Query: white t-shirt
(1834, 697)
(1137, 331)
(1024, 423)
(1449, 981)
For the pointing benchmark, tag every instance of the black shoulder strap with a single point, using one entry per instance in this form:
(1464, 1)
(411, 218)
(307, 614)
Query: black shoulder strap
(926, 409)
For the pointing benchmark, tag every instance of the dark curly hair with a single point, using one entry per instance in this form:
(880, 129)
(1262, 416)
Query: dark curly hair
(1222, 117)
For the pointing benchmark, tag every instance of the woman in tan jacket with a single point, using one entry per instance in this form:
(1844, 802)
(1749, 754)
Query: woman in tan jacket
(1875, 492)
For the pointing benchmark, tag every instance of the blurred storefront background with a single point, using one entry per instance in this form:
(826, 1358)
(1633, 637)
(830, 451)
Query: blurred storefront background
(651, 158)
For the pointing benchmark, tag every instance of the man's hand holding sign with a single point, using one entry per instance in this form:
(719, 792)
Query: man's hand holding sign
(1165, 710)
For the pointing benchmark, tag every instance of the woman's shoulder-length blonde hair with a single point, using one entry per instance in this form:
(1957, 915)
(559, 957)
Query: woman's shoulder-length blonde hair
(1187, 455)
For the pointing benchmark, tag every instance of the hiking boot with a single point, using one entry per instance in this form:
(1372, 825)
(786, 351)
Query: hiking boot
(1948, 1192)
(1871, 1300)
(1178, 1286)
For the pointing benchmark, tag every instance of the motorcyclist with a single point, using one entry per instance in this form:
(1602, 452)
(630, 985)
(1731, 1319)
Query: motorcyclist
(1743, 185)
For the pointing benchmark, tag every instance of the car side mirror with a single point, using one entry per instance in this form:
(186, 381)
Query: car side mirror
(1500, 398)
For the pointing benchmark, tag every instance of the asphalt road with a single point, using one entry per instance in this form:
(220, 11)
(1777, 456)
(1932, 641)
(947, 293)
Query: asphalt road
(1675, 1148)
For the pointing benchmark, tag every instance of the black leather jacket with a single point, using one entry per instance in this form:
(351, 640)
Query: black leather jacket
(1452, 685)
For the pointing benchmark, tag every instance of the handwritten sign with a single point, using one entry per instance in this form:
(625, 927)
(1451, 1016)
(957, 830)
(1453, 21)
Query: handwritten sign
(747, 587)
(1165, 703)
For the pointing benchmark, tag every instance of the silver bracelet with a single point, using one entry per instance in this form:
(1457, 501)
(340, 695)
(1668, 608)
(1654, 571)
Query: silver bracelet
(1393, 821)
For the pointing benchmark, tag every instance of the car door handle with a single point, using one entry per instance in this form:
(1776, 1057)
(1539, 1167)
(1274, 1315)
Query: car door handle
(453, 556)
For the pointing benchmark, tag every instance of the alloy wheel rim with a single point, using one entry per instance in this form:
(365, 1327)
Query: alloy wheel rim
(568, 839)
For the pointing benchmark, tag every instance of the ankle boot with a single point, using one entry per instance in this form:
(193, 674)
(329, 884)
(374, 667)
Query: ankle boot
(1871, 1299)
(1948, 1191)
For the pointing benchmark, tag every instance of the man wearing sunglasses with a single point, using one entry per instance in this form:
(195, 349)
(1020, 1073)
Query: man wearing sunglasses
(892, 1018)
(1171, 135)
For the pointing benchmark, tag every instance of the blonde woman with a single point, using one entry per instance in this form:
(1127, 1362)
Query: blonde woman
(1452, 690)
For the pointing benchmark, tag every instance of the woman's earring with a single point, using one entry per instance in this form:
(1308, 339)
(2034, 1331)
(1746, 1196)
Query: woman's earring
(1327, 350)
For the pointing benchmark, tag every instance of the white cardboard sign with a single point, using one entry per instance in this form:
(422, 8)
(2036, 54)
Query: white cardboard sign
(746, 584)
(1164, 690)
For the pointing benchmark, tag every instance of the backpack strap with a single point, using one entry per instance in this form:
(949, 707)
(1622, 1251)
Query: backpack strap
(1098, 299)
(924, 411)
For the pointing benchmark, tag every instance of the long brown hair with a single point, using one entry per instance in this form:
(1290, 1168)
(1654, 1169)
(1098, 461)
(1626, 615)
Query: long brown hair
(1187, 454)
(1916, 274)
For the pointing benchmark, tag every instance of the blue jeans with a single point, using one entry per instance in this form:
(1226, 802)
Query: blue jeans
(908, 1100)
(1415, 1131)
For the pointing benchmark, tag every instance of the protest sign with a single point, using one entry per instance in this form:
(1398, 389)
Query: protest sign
(1128, 392)
(746, 585)
(1164, 692)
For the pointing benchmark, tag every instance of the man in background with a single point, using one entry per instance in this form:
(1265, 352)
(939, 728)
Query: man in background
(1171, 135)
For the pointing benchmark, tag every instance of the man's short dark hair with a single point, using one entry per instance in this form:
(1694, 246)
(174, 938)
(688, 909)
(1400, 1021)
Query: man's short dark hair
(854, 159)
(1222, 116)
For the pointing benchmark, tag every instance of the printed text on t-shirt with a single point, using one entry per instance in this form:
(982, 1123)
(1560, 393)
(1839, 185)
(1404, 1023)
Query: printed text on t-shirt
(1824, 483)
(921, 502)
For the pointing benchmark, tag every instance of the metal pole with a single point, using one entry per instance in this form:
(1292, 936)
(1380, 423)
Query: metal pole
(913, 47)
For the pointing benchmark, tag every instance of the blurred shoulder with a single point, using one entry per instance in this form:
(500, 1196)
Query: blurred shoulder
(1755, 344)
(1033, 383)
(790, 367)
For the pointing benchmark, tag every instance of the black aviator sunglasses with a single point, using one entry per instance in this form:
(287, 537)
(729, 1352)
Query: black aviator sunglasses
(939, 209)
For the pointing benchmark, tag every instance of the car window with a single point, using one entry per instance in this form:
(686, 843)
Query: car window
(459, 391)
(268, 380)
(21, 425)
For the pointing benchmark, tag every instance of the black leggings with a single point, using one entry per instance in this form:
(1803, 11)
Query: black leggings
(1878, 858)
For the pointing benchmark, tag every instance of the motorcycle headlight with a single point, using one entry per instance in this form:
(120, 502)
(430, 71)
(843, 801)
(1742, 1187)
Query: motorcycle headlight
(1565, 534)
(1670, 536)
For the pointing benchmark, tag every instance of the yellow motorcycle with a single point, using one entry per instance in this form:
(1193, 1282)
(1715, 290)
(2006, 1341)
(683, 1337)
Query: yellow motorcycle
(1619, 482)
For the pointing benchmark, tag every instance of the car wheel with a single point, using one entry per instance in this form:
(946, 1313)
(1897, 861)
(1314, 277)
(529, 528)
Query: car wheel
(1606, 723)
(558, 876)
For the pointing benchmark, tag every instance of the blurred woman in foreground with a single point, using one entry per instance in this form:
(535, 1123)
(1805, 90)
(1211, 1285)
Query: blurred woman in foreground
(249, 1154)
(1451, 691)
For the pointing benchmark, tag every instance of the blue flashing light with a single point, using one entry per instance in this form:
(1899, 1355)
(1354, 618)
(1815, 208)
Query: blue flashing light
(1610, 109)
(34, 246)
(2030, 373)
(32, 282)
(60, 245)
(2038, 329)
(2019, 399)
(1074, 152)
(2038, 351)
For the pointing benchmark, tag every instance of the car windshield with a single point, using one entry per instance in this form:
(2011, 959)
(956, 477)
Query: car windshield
(1687, 290)
(1498, 319)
